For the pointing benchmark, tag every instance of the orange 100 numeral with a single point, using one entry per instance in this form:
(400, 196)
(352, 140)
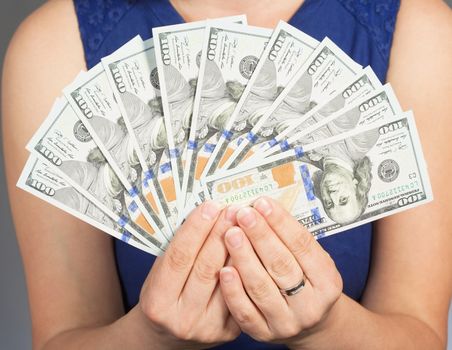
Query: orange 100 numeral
(235, 184)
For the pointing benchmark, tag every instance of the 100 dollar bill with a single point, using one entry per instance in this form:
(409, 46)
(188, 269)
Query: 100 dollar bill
(93, 100)
(41, 180)
(381, 105)
(178, 57)
(286, 52)
(229, 56)
(357, 88)
(339, 183)
(134, 80)
(66, 144)
(326, 70)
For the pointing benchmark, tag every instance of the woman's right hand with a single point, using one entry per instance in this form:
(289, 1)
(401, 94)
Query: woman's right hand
(181, 298)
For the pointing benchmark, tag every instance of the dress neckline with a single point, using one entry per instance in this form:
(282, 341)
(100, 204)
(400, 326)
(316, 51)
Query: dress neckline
(167, 14)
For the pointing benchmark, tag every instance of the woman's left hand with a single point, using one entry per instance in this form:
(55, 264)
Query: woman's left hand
(271, 252)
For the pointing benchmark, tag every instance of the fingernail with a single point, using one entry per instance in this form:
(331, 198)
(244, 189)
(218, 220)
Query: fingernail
(263, 206)
(231, 213)
(210, 210)
(226, 274)
(234, 237)
(246, 217)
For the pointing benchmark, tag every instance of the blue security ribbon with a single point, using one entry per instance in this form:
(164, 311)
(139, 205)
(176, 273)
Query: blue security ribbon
(133, 206)
(299, 151)
(316, 214)
(174, 153)
(123, 221)
(126, 235)
(209, 147)
(133, 191)
(309, 190)
(284, 145)
(252, 137)
(227, 134)
(149, 175)
(192, 145)
(272, 142)
(307, 182)
(165, 167)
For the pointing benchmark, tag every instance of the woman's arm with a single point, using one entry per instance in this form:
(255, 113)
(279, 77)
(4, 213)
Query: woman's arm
(412, 262)
(409, 289)
(73, 288)
(69, 265)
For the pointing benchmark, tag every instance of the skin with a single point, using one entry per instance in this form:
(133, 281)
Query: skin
(74, 292)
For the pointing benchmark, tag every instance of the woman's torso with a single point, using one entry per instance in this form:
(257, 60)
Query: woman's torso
(363, 29)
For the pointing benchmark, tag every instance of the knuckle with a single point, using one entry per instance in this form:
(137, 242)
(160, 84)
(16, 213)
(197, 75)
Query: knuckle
(338, 284)
(289, 330)
(194, 224)
(184, 331)
(312, 318)
(243, 317)
(263, 337)
(259, 290)
(334, 290)
(282, 265)
(153, 312)
(208, 338)
(333, 285)
(198, 225)
(231, 333)
(178, 259)
(279, 217)
(303, 244)
(205, 271)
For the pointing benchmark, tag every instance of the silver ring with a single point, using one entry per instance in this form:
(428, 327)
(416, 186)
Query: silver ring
(295, 289)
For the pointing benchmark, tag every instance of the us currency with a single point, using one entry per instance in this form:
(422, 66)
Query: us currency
(339, 183)
(66, 144)
(134, 81)
(357, 88)
(381, 105)
(230, 54)
(41, 180)
(325, 71)
(284, 55)
(92, 100)
(178, 54)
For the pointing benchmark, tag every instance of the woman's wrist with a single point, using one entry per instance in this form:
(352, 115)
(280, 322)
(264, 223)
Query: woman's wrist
(140, 331)
(331, 323)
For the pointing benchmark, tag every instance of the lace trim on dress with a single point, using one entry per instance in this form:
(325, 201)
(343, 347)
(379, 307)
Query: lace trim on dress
(97, 18)
(379, 18)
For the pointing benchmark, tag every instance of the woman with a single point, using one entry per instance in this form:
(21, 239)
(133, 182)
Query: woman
(86, 293)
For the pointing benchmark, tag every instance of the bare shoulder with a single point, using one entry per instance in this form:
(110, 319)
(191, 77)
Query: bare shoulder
(66, 289)
(422, 48)
(44, 55)
(45, 50)
(421, 72)
(411, 265)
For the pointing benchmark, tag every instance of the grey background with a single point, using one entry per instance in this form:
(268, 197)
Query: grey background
(15, 329)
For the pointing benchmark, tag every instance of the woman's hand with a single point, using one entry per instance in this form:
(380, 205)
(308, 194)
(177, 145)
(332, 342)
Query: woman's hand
(270, 252)
(180, 297)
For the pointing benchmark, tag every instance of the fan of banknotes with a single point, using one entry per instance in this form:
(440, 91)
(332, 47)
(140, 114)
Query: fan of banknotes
(225, 111)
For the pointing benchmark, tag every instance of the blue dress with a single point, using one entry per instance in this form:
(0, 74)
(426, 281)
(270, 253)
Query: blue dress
(362, 28)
